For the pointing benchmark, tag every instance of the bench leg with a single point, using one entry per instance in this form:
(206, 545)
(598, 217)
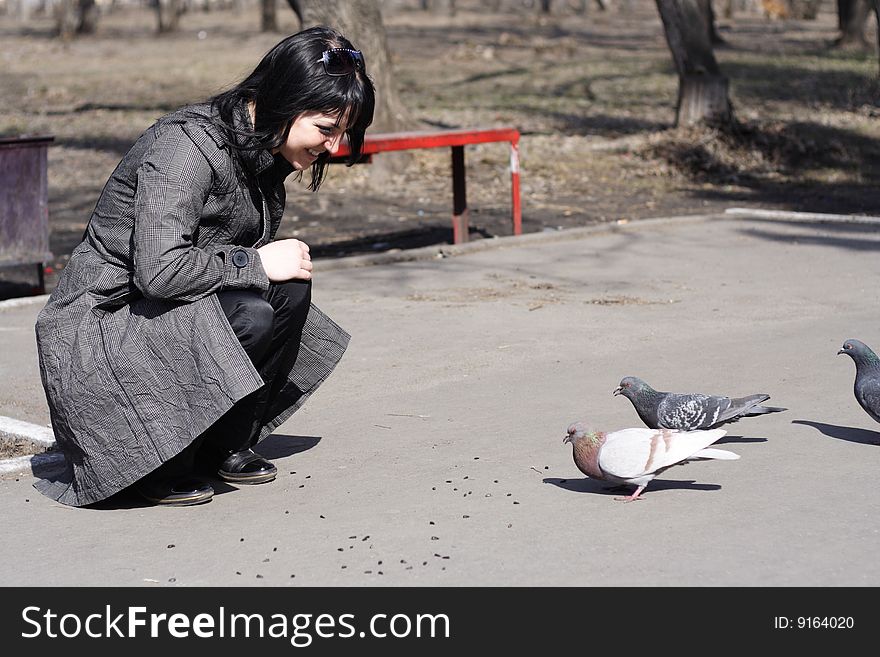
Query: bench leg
(459, 197)
(516, 208)
(41, 278)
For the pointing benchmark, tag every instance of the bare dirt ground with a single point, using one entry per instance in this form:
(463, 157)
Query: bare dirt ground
(592, 93)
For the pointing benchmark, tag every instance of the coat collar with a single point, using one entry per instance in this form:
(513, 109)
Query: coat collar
(255, 158)
(281, 168)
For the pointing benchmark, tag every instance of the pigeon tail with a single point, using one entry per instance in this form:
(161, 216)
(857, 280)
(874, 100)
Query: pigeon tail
(760, 410)
(713, 453)
(743, 406)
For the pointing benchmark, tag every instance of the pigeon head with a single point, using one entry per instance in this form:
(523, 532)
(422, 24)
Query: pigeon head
(579, 430)
(631, 386)
(859, 352)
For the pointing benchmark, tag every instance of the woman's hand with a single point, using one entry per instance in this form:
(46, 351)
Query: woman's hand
(285, 260)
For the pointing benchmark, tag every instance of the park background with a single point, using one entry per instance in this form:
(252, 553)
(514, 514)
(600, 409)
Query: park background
(592, 86)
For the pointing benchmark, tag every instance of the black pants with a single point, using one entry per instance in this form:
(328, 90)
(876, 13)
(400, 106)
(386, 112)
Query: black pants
(268, 326)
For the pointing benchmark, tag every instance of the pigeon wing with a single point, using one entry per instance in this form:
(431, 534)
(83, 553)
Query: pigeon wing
(625, 452)
(711, 453)
(868, 395)
(689, 412)
(742, 406)
(631, 453)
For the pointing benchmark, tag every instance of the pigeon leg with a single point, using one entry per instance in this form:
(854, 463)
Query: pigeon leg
(634, 496)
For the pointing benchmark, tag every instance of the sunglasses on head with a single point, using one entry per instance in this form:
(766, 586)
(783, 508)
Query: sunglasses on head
(342, 61)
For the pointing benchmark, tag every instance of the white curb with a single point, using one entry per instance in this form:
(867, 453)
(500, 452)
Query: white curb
(16, 430)
(26, 464)
(23, 301)
(34, 438)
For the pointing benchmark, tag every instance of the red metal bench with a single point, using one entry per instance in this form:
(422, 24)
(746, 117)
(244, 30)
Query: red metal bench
(456, 140)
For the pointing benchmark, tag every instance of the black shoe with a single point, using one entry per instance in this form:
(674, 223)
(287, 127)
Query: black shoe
(176, 492)
(247, 467)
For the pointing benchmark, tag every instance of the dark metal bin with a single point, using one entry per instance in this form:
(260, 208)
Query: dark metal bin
(24, 203)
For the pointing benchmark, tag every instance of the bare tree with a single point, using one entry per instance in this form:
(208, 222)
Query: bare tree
(426, 6)
(852, 16)
(577, 6)
(168, 13)
(361, 22)
(876, 6)
(88, 17)
(805, 9)
(714, 37)
(75, 17)
(294, 5)
(702, 89)
(269, 15)
(65, 14)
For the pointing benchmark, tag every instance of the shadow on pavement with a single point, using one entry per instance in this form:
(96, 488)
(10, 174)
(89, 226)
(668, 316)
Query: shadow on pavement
(851, 434)
(279, 445)
(273, 447)
(587, 485)
(855, 243)
(128, 498)
(738, 439)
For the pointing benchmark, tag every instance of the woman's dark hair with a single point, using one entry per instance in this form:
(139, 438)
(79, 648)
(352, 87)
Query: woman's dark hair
(291, 80)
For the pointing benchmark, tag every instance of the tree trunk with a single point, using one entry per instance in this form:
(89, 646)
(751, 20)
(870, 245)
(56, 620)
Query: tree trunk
(703, 99)
(66, 17)
(168, 13)
(727, 12)
(702, 89)
(805, 9)
(361, 23)
(876, 6)
(426, 6)
(852, 15)
(714, 37)
(88, 17)
(294, 5)
(269, 15)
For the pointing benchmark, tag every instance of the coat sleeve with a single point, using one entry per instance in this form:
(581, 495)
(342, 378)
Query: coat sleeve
(173, 184)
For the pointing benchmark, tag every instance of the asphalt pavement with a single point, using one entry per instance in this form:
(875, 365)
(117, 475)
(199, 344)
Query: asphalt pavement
(433, 455)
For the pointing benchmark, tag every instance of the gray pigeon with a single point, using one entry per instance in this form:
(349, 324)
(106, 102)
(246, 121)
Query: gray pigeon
(637, 456)
(867, 384)
(687, 412)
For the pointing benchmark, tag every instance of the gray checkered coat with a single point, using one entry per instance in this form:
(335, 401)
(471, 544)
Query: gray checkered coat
(136, 355)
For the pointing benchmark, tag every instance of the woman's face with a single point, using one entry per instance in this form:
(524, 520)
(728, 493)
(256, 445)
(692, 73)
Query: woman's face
(311, 134)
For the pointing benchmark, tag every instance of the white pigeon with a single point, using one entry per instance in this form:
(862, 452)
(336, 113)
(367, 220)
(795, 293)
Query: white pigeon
(637, 456)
